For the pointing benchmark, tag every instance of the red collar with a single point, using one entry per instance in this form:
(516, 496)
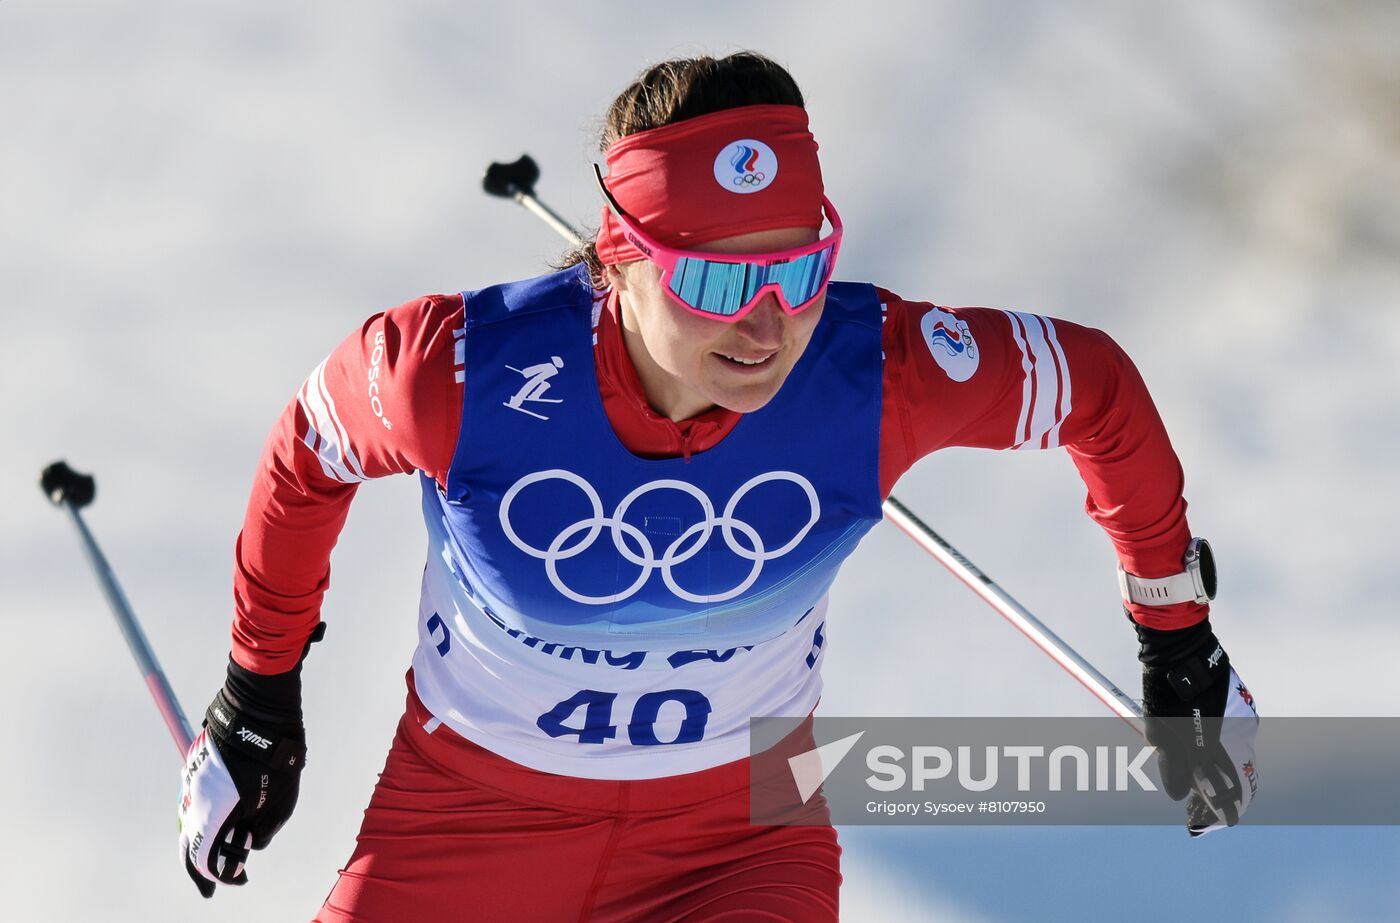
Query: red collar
(640, 428)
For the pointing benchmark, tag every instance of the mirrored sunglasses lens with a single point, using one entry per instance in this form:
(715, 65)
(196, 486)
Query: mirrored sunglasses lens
(802, 278)
(715, 288)
(724, 289)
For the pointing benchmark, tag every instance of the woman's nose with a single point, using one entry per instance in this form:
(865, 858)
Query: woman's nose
(764, 324)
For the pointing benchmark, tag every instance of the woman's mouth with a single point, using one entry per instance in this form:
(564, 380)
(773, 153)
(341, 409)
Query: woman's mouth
(747, 362)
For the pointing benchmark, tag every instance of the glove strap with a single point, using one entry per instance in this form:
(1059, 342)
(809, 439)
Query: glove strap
(258, 742)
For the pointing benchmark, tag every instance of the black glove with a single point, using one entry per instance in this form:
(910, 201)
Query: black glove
(242, 773)
(1201, 719)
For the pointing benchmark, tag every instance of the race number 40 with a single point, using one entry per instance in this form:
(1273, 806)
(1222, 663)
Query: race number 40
(598, 727)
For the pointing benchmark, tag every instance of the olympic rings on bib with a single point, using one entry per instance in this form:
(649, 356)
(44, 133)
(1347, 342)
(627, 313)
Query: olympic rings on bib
(635, 546)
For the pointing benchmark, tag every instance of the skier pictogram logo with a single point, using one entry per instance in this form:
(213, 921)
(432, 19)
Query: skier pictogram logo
(536, 384)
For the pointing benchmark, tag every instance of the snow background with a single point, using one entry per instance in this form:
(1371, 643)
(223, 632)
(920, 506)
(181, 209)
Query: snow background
(198, 201)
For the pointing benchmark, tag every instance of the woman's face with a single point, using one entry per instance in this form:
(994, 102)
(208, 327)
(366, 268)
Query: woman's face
(687, 363)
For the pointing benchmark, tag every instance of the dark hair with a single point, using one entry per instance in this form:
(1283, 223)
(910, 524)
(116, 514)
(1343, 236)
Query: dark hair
(683, 88)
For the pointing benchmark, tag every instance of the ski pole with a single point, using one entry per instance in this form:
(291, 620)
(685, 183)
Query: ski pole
(1018, 615)
(73, 491)
(517, 181)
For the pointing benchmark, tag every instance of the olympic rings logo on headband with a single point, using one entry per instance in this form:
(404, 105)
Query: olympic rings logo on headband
(635, 546)
(745, 166)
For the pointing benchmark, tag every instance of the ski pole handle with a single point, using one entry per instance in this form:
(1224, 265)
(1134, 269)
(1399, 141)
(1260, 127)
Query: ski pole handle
(516, 181)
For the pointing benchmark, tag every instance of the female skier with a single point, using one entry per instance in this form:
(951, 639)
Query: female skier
(640, 476)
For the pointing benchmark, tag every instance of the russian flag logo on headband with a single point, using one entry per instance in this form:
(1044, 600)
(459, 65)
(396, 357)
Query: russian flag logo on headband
(745, 166)
(745, 163)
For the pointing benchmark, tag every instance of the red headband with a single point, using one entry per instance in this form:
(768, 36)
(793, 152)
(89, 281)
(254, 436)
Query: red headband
(730, 172)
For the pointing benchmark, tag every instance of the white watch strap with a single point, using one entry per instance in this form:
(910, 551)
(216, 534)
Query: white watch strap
(1157, 591)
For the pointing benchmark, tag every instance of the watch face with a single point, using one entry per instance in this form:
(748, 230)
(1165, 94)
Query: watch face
(1201, 555)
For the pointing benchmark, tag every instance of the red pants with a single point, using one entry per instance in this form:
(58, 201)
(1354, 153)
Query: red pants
(455, 832)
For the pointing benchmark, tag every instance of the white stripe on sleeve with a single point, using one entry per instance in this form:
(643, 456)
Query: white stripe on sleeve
(327, 436)
(1016, 332)
(1063, 365)
(1045, 391)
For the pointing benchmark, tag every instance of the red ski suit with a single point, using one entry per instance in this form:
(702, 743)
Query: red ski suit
(450, 827)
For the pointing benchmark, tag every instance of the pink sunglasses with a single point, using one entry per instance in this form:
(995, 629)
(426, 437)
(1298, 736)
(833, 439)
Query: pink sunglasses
(727, 286)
